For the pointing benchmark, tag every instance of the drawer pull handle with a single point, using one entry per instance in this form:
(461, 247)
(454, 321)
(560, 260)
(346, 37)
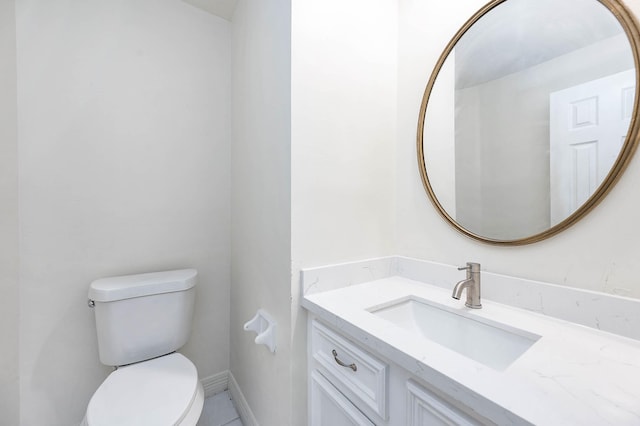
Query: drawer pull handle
(351, 366)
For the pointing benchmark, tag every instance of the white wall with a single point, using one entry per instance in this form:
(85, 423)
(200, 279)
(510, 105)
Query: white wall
(261, 203)
(124, 127)
(343, 91)
(598, 253)
(343, 130)
(9, 356)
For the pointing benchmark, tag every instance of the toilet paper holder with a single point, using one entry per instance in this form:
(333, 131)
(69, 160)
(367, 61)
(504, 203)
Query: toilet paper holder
(264, 326)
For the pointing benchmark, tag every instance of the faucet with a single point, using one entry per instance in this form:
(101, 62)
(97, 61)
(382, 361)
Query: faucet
(472, 284)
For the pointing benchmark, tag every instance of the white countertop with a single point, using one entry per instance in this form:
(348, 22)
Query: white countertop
(573, 375)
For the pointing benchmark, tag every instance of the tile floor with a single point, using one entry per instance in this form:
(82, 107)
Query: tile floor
(219, 411)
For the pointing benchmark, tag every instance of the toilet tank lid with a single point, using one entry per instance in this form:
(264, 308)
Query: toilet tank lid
(129, 286)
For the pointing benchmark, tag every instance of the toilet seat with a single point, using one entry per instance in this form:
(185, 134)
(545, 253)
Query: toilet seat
(161, 391)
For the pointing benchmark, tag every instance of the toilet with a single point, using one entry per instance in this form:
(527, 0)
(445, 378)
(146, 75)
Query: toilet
(141, 320)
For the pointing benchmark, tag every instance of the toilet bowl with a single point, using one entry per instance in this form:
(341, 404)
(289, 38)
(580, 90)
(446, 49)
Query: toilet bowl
(162, 391)
(141, 320)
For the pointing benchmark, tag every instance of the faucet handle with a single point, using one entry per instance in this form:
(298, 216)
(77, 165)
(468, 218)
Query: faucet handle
(471, 267)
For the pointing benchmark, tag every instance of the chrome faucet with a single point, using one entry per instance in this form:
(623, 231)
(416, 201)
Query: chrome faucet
(472, 284)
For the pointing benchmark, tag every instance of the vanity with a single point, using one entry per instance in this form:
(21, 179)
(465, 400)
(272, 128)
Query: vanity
(388, 345)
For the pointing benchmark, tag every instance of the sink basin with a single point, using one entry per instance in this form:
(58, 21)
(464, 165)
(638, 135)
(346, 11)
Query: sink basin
(493, 344)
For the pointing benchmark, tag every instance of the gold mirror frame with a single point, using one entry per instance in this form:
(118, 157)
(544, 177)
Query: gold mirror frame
(630, 26)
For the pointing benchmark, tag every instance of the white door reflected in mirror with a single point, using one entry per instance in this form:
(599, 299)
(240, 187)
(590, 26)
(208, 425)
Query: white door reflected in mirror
(588, 125)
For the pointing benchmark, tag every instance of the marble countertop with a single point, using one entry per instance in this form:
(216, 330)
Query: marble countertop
(572, 375)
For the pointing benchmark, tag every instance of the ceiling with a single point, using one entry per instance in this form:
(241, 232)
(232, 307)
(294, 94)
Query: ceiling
(221, 8)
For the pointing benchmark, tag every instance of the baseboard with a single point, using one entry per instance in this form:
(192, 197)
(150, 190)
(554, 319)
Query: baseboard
(246, 415)
(223, 381)
(216, 383)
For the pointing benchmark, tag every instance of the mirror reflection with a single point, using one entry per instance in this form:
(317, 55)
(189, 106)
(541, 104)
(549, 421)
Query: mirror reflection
(528, 115)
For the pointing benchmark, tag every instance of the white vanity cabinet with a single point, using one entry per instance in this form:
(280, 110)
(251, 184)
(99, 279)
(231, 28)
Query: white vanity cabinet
(350, 384)
(407, 375)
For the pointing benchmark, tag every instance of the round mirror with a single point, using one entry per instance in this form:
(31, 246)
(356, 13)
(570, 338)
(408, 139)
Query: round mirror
(529, 117)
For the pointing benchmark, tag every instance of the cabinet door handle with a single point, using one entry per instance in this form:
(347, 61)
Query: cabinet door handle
(351, 366)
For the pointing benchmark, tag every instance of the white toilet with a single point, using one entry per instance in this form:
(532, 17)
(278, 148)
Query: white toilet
(141, 321)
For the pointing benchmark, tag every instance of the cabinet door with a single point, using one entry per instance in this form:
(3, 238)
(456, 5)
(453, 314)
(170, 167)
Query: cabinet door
(330, 408)
(426, 409)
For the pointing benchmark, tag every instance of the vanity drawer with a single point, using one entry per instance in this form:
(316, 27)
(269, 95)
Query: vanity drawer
(354, 372)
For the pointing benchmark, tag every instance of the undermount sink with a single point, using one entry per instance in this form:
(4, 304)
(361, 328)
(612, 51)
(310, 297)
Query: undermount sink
(495, 345)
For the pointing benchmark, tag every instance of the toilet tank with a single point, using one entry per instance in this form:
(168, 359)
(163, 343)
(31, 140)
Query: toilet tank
(143, 316)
